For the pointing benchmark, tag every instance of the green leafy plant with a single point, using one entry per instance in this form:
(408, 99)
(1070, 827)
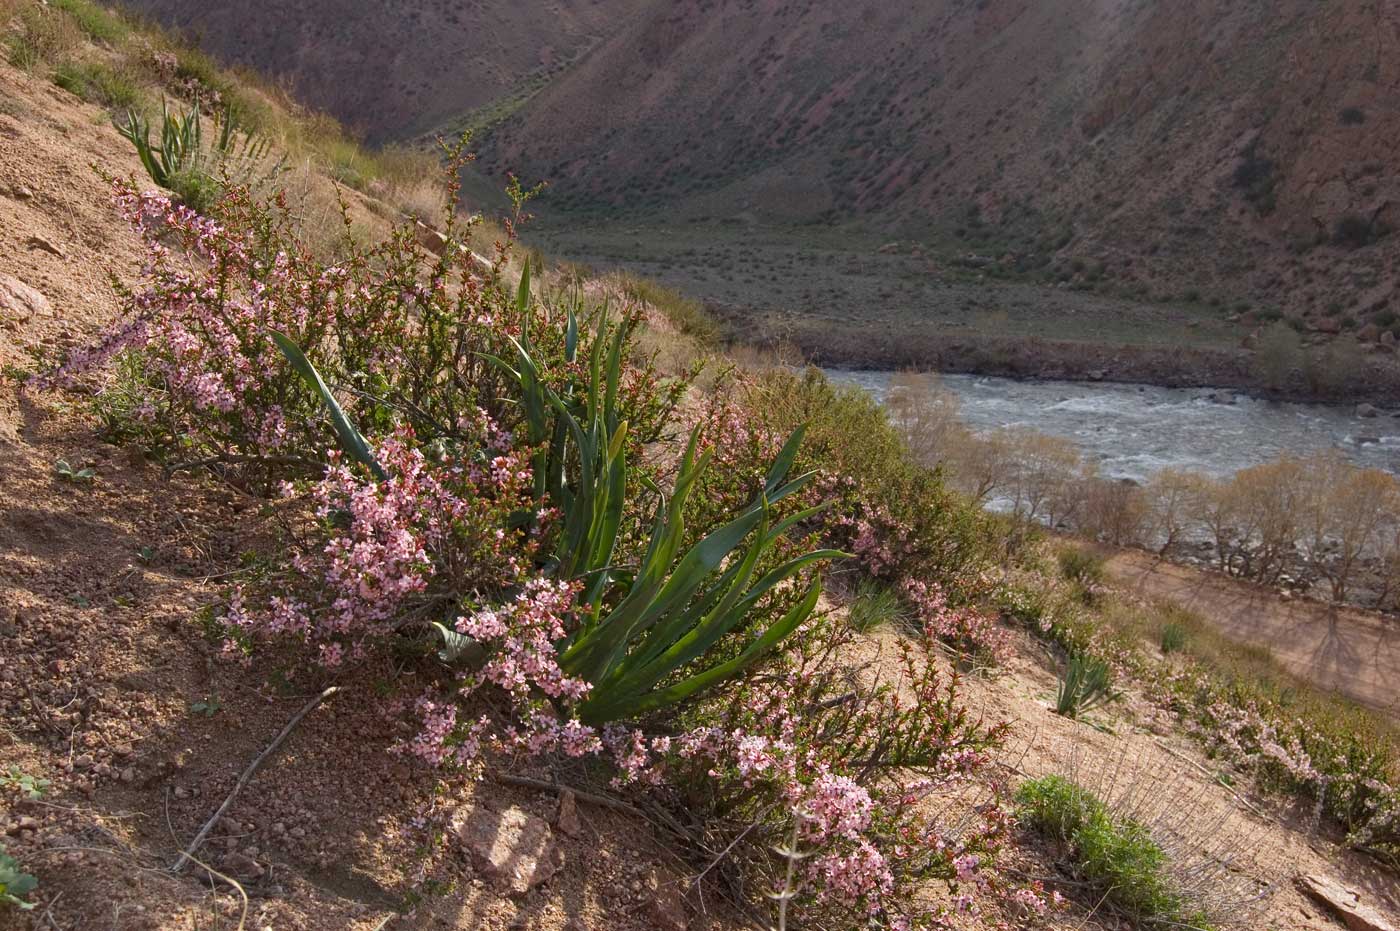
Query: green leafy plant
(14, 884)
(1085, 685)
(65, 471)
(31, 787)
(1080, 566)
(208, 706)
(1117, 856)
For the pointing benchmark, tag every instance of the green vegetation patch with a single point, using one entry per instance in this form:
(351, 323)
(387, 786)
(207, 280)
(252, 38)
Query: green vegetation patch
(1117, 856)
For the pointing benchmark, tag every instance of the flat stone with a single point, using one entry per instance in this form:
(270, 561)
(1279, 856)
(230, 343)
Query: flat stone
(1346, 903)
(430, 239)
(43, 245)
(242, 866)
(18, 301)
(512, 850)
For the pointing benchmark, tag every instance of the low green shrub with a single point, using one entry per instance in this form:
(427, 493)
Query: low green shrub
(1081, 566)
(685, 314)
(98, 83)
(96, 22)
(1117, 856)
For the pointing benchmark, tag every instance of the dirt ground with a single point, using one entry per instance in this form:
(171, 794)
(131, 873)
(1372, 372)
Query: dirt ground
(1355, 653)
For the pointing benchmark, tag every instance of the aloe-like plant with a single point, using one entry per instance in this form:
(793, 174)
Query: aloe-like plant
(352, 442)
(181, 160)
(1084, 686)
(674, 607)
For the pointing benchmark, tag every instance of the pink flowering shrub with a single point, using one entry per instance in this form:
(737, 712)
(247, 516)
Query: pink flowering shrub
(381, 324)
(388, 550)
(1348, 771)
(868, 768)
(971, 632)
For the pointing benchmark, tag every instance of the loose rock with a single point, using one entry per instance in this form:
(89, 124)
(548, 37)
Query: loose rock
(20, 302)
(512, 850)
(1347, 904)
(567, 819)
(666, 909)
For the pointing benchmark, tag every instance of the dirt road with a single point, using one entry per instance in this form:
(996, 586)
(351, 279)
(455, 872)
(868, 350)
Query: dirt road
(1355, 653)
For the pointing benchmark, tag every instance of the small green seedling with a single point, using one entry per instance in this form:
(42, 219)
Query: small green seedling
(84, 476)
(209, 707)
(31, 787)
(14, 883)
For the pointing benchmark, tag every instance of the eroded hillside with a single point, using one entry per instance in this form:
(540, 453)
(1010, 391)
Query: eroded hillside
(393, 69)
(1218, 163)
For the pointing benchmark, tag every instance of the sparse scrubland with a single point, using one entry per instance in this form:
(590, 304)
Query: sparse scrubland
(475, 504)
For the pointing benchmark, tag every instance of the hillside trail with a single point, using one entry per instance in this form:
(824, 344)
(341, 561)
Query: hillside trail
(1337, 649)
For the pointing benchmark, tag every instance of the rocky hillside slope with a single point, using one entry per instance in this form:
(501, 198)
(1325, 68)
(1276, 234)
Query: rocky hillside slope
(1235, 152)
(393, 69)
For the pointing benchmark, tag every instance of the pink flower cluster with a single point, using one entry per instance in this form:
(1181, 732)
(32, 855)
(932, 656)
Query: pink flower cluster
(975, 633)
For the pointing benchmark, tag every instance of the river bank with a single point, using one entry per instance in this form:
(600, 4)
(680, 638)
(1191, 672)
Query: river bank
(1373, 376)
(1135, 430)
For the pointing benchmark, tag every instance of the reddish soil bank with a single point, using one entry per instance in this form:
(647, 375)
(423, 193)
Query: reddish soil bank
(1355, 653)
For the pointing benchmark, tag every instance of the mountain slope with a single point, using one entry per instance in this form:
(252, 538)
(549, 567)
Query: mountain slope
(1236, 156)
(1182, 131)
(391, 69)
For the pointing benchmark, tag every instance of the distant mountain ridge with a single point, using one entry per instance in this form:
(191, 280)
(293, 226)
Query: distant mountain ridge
(1247, 148)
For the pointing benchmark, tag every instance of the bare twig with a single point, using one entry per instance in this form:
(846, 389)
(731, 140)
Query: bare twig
(601, 801)
(1214, 778)
(231, 459)
(188, 853)
(242, 919)
(732, 844)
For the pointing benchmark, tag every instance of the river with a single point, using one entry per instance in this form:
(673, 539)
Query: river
(1136, 430)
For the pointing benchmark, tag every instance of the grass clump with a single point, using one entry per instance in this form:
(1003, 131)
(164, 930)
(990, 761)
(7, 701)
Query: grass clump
(1118, 856)
(1174, 637)
(874, 606)
(98, 83)
(43, 36)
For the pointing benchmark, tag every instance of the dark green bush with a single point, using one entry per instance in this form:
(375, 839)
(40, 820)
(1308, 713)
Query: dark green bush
(1117, 856)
